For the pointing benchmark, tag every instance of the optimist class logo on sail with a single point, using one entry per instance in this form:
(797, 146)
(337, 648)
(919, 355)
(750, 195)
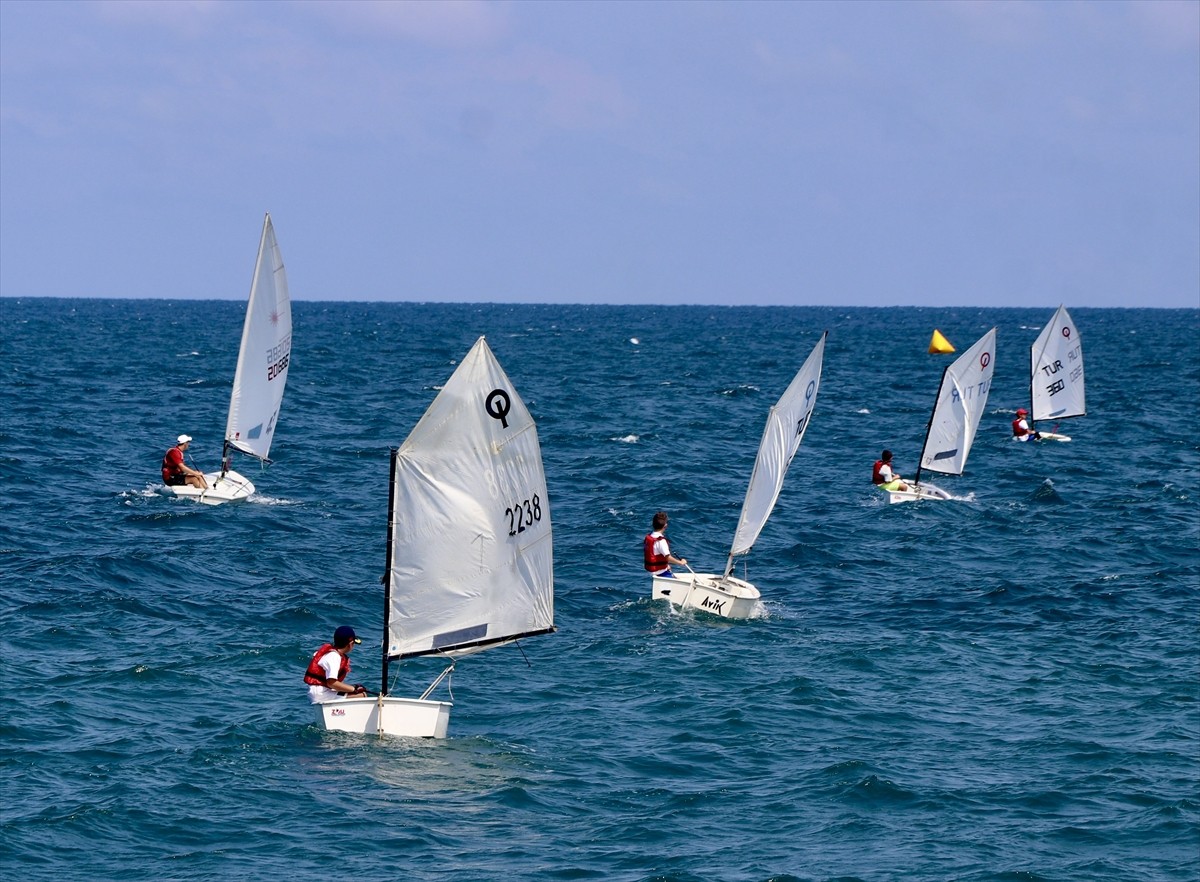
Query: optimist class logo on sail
(498, 404)
(969, 393)
(524, 513)
(278, 357)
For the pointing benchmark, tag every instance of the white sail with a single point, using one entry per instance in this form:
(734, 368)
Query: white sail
(262, 366)
(960, 402)
(1056, 371)
(781, 439)
(471, 561)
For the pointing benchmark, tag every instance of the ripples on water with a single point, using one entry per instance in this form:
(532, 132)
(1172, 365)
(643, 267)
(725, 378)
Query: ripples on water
(996, 689)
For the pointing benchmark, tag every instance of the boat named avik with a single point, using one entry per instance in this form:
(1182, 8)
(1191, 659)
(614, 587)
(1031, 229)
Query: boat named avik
(725, 595)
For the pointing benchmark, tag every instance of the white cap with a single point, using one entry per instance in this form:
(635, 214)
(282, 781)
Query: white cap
(184, 439)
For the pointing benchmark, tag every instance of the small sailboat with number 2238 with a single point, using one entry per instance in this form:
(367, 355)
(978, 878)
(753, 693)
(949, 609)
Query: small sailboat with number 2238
(469, 547)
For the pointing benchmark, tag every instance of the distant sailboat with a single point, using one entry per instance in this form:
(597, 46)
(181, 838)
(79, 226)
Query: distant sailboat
(957, 410)
(725, 595)
(260, 378)
(469, 549)
(1056, 375)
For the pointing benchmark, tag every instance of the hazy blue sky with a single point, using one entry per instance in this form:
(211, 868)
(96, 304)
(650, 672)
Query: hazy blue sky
(854, 153)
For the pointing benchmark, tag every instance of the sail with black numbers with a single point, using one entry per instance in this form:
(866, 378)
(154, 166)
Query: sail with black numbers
(1056, 371)
(470, 563)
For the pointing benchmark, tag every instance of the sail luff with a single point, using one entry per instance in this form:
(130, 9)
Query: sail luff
(390, 552)
(786, 424)
(929, 424)
(1032, 376)
(263, 355)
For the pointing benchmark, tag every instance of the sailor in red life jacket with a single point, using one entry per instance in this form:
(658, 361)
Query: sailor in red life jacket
(175, 473)
(656, 551)
(330, 666)
(882, 475)
(1021, 430)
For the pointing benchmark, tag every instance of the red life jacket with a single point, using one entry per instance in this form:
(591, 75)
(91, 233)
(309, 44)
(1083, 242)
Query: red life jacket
(1018, 431)
(654, 562)
(877, 478)
(171, 468)
(315, 675)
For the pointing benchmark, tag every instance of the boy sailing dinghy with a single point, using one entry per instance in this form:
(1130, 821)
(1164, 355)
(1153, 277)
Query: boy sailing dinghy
(725, 595)
(956, 413)
(259, 380)
(1056, 375)
(469, 549)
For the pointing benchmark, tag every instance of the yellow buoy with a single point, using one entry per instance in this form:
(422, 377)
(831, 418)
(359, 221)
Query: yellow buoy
(938, 343)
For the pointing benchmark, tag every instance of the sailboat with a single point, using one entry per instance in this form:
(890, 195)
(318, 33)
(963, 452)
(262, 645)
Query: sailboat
(259, 380)
(469, 549)
(957, 410)
(1056, 375)
(725, 595)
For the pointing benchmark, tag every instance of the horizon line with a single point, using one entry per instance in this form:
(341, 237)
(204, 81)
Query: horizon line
(589, 304)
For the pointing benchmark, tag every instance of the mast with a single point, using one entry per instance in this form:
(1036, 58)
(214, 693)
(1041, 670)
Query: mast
(387, 573)
(1032, 376)
(929, 425)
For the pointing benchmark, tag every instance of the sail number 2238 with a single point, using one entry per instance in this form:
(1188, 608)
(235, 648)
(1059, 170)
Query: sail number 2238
(523, 515)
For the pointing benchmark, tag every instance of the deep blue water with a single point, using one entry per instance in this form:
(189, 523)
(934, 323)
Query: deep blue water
(1001, 688)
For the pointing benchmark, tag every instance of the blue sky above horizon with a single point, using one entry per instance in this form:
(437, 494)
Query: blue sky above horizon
(790, 153)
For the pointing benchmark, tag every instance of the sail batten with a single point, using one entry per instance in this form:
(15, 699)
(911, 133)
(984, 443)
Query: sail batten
(471, 647)
(961, 399)
(264, 355)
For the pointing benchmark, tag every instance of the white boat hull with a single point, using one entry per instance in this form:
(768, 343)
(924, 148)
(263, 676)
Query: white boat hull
(729, 597)
(386, 715)
(1042, 436)
(915, 492)
(229, 487)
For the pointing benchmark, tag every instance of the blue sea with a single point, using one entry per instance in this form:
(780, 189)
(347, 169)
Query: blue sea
(1001, 687)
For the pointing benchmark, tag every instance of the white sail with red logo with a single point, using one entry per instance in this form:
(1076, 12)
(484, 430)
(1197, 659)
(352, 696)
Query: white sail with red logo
(957, 410)
(960, 402)
(1056, 388)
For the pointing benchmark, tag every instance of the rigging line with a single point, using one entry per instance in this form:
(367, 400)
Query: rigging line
(206, 488)
(691, 585)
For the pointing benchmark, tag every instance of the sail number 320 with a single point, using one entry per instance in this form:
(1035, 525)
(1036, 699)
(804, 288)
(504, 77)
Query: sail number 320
(523, 515)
